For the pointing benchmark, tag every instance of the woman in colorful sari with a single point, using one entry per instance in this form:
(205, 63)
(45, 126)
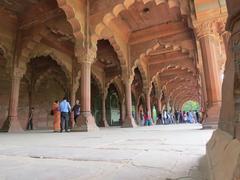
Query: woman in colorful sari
(57, 116)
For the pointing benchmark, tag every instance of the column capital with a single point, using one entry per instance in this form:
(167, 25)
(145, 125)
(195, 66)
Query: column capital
(127, 77)
(87, 55)
(213, 27)
(18, 72)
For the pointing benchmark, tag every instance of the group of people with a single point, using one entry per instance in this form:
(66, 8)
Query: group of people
(171, 118)
(178, 117)
(62, 112)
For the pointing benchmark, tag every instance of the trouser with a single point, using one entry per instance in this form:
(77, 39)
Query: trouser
(64, 121)
(75, 118)
(148, 123)
(30, 125)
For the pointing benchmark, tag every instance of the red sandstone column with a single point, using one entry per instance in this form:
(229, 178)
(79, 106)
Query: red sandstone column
(13, 124)
(211, 72)
(226, 35)
(128, 121)
(104, 119)
(73, 101)
(123, 110)
(159, 105)
(148, 99)
(86, 121)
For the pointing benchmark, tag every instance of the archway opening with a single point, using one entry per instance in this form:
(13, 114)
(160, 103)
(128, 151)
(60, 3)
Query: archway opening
(44, 82)
(137, 86)
(96, 102)
(113, 106)
(141, 110)
(191, 109)
(134, 115)
(191, 106)
(5, 87)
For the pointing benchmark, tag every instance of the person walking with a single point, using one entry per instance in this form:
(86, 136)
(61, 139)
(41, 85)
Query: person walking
(57, 116)
(76, 110)
(30, 120)
(65, 109)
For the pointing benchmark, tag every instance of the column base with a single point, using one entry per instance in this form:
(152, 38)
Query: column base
(12, 125)
(223, 151)
(129, 122)
(105, 123)
(85, 123)
(213, 114)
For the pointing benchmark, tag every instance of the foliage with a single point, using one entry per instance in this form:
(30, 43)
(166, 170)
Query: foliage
(191, 105)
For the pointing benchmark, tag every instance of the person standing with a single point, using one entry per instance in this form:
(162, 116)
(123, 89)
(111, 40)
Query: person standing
(197, 117)
(76, 110)
(57, 116)
(65, 108)
(180, 117)
(30, 120)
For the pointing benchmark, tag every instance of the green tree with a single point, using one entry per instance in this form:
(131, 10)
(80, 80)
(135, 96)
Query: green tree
(191, 105)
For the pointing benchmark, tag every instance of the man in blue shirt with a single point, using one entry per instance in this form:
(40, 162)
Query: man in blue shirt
(65, 108)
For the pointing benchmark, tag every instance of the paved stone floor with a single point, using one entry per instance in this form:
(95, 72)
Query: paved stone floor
(174, 152)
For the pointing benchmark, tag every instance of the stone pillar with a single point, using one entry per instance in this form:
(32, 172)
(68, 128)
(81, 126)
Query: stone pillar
(104, 117)
(211, 73)
(168, 105)
(128, 121)
(226, 35)
(12, 124)
(73, 101)
(148, 99)
(86, 121)
(159, 105)
(123, 111)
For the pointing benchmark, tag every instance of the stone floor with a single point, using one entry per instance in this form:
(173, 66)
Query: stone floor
(174, 152)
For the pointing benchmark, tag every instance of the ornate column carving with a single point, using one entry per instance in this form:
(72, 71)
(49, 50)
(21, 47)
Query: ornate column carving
(128, 121)
(86, 121)
(206, 33)
(12, 124)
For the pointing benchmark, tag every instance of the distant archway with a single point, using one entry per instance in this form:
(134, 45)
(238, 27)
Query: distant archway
(113, 105)
(96, 102)
(43, 83)
(191, 106)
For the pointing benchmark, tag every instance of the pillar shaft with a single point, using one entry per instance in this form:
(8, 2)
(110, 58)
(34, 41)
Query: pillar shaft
(148, 99)
(86, 87)
(104, 117)
(159, 105)
(86, 121)
(12, 124)
(211, 73)
(128, 121)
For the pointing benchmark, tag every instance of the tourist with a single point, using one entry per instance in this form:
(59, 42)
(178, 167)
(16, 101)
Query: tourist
(30, 120)
(65, 109)
(197, 116)
(57, 116)
(185, 117)
(180, 117)
(142, 118)
(190, 117)
(147, 119)
(159, 120)
(76, 110)
(165, 117)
